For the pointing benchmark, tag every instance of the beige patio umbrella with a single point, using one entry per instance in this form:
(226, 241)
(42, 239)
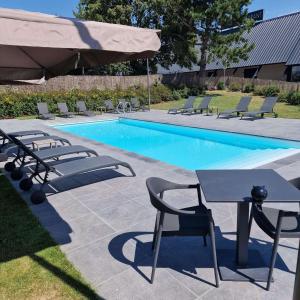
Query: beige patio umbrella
(33, 45)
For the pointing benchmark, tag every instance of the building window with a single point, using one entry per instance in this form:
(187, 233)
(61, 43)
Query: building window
(250, 73)
(211, 74)
(295, 73)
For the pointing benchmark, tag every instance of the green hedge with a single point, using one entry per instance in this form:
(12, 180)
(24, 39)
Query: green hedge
(17, 104)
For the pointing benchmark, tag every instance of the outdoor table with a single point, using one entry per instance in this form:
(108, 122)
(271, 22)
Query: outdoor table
(234, 186)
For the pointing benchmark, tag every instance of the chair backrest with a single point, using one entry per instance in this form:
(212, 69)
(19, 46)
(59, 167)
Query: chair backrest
(244, 103)
(205, 102)
(269, 104)
(43, 108)
(135, 102)
(156, 187)
(108, 104)
(81, 106)
(189, 102)
(30, 153)
(63, 108)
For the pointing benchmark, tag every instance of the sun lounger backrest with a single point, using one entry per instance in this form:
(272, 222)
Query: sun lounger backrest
(81, 106)
(42, 108)
(29, 152)
(269, 104)
(109, 104)
(189, 102)
(4, 135)
(244, 103)
(62, 107)
(134, 102)
(205, 102)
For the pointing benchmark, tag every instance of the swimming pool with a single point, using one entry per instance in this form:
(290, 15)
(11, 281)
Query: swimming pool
(185, 147)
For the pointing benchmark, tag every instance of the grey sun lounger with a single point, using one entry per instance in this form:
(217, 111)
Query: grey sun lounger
(81, 107)
(64, 111)
(266, 108)
(203, 106)
(45, 154)
(189, 105)
(7, 142)
(28, 133)
(42, 169)
(241, 107)
(136, 105)
(109, 106)
(44, 111)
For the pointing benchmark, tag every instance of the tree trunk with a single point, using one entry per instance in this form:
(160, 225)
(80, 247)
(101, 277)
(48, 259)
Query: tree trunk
(203, 59)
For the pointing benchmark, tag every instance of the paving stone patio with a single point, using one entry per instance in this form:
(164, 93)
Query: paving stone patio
(104, 221)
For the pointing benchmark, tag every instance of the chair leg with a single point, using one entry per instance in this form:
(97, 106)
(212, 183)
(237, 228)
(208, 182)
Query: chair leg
(157, 245)
(204, 241)
(250, 222)
(273, 260)
(154, 238)
(214, 253)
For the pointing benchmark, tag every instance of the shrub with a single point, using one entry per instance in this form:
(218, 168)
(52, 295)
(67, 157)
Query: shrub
(220, 85)
(293, 98)
(235, 86)
(267, 91)
(283, 96)
(176, 95)
(195, 91)
(160, 92)
(248, 88)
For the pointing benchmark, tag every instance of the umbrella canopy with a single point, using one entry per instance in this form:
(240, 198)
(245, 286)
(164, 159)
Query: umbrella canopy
(33, 45)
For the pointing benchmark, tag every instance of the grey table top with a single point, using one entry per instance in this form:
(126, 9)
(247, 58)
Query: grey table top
(236, 185)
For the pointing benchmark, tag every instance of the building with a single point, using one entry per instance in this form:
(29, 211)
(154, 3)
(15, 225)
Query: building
(276, 54)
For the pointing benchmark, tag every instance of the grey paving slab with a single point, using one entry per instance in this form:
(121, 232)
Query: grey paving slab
(131, 285)
(104, 220)
(79, 232)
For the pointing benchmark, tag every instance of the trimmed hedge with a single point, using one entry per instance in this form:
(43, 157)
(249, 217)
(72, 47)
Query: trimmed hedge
(17, 104)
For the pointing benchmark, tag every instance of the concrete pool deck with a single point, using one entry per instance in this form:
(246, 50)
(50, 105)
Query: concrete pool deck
(104, 221)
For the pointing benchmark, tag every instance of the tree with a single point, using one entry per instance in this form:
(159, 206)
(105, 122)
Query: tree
(183, 24)
(211, 18)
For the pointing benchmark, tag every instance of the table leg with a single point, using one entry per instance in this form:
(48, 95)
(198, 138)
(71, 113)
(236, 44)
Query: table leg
(242, 234)
(296, 295)
(248, 265)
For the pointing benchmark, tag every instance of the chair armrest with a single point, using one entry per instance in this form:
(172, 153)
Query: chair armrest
(284, 213)
(177, 186)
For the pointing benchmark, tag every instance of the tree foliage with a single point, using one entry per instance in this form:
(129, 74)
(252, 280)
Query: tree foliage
(184, 24)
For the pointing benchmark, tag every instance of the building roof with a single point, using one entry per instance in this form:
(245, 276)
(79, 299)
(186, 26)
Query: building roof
(276, 41)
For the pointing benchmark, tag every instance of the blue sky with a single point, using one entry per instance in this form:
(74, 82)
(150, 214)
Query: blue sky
(66, 7)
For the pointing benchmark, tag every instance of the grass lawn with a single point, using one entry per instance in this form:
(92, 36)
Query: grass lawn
(227, 100)
(31, 265)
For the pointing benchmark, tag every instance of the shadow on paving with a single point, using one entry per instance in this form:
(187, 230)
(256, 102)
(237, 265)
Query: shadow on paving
(187, 255)
(22, 235)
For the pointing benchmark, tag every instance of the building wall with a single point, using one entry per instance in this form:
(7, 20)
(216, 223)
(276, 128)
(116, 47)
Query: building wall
(270, 72)
(274, 72)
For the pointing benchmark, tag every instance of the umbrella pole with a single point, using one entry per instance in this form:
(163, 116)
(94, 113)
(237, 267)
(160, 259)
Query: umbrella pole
(148, 84)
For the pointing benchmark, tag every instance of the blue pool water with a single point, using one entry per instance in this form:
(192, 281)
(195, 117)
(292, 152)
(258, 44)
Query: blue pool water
(185, 147)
